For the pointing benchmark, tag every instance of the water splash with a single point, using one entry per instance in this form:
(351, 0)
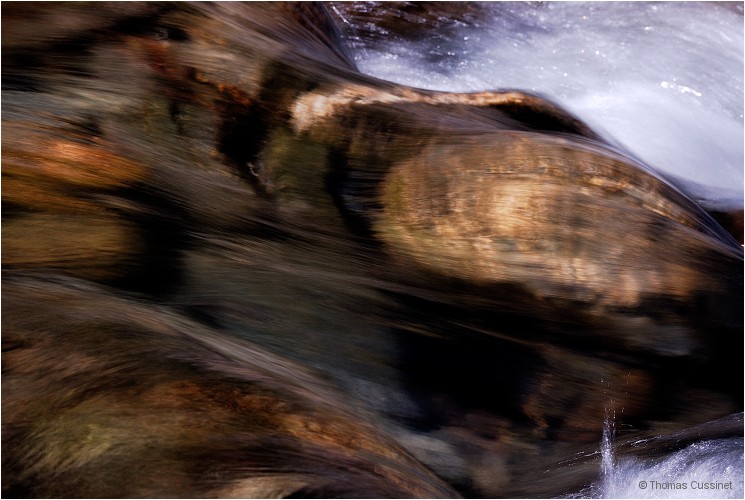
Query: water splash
(607, 462)
(705, 469)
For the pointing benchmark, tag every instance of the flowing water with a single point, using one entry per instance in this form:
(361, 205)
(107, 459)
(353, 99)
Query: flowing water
(292, 343)
(664, 80)
(706, 468)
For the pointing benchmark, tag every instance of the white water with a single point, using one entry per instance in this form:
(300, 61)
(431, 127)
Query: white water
(705, 469)
(665, 80)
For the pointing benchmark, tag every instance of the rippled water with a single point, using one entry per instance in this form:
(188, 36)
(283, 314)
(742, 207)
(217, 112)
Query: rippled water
(664, 80)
